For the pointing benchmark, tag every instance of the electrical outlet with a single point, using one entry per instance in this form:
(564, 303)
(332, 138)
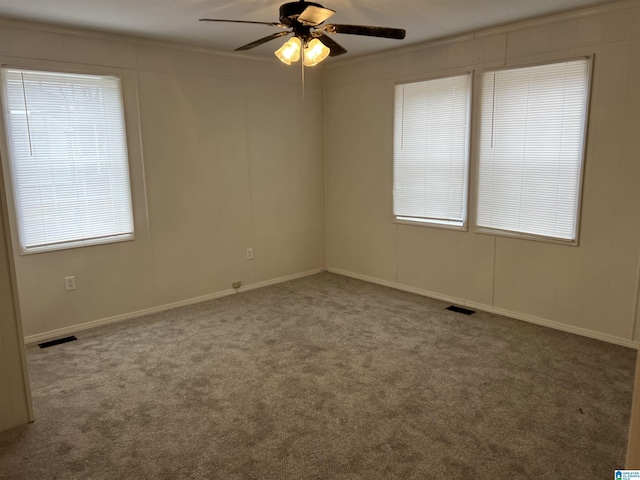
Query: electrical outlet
(237, 284)
(70, 283)
(249, 253)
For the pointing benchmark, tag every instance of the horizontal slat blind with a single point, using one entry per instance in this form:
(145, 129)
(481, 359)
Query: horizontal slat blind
(531, 148)
(431, 149)
(68, 157)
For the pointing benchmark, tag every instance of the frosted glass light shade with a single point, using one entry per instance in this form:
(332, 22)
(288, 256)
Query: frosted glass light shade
(314, 52)
(289, 52)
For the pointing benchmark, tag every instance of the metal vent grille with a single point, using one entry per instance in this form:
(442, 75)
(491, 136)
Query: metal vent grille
(464, 311)
(57, 342)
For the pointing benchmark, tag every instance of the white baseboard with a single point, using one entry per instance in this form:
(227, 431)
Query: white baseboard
(491, 309)
(398, 286)
(39, 337)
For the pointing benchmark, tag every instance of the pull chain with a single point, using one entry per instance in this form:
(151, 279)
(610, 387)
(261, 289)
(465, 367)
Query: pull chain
(302, 66)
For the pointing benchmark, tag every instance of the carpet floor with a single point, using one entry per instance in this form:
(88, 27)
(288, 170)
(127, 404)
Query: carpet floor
(324, 377)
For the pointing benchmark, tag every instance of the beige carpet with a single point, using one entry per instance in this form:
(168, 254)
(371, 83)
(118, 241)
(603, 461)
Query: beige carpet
(324, 377)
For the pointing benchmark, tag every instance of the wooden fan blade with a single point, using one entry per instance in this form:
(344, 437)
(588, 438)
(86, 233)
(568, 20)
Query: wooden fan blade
(272, 24)
(334, 47)
(260, 41)
(315, 15)
(383, 32)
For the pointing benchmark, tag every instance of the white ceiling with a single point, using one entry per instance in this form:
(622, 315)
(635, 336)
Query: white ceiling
(177, 20)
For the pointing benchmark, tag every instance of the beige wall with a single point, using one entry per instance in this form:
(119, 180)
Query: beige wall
(15, 400)
(225, 155)
(590, 289)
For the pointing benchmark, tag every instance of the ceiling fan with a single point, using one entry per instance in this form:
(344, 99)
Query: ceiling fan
(310, 40)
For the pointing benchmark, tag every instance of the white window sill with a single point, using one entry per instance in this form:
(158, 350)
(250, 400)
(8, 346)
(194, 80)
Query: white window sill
(525, 236)
(419, 222)
(77, 244)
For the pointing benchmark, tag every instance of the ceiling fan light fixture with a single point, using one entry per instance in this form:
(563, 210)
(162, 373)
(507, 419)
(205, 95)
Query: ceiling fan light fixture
(289, 52)
(314, 52)
(304, 20)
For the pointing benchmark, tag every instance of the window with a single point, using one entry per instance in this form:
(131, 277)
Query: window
(531, 149)
(68, 159)
(431, 145)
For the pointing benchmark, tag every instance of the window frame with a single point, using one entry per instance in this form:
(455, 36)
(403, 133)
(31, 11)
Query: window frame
(7, 164)
(590, 58)
(463, 226)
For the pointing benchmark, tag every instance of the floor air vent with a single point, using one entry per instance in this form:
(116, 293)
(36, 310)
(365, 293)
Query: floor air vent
(57, 342)
(464, 311)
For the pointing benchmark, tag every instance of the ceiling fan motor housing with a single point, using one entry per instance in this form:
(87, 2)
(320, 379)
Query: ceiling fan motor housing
(289, 12)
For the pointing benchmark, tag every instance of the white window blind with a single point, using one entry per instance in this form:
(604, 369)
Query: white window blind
(531, 148)
(431, 144)
(68, 158)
